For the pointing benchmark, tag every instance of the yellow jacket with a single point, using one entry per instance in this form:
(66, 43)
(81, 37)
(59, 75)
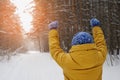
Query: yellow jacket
(83, 62)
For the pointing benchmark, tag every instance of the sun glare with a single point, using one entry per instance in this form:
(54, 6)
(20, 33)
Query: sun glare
(24, 9)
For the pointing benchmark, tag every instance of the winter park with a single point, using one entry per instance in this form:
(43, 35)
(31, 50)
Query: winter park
(59, 40)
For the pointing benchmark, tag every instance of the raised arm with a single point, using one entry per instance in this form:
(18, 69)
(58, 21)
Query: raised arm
(54, 45)
(99, 37)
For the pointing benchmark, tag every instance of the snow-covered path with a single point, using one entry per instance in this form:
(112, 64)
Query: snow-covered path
(40, 66)
(32, 66)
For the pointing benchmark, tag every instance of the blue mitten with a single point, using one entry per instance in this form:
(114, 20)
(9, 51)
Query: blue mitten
(94, 22)
(53, 25)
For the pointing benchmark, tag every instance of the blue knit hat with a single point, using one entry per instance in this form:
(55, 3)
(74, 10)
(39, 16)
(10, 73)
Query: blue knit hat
(82, 38)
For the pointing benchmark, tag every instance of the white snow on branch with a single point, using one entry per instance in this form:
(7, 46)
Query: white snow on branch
(3, 31)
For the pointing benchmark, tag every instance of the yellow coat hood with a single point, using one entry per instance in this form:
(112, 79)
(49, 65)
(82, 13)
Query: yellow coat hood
(83, 62)
(84, 55)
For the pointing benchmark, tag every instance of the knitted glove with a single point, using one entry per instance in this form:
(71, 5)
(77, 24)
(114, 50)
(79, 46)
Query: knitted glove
(94, 22)
(53, 25)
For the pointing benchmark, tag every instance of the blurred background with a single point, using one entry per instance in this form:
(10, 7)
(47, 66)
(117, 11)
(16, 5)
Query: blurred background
(24, 23)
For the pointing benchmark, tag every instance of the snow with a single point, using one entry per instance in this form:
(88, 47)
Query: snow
(41, 66)
(2, 31)
(111, 73)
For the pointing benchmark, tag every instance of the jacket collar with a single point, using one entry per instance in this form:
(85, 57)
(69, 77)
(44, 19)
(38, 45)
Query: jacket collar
(83, 47)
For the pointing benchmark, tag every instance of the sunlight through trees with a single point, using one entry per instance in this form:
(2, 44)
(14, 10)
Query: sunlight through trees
(10, 28)
(24, 9)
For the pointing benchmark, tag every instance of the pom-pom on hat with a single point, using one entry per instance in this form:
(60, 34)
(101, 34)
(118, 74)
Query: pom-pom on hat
(82, 38)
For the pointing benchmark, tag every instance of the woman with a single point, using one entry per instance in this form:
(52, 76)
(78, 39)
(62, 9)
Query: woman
(87, 55)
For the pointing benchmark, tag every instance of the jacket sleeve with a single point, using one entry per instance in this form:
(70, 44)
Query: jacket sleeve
(100, 41)
(54, 46)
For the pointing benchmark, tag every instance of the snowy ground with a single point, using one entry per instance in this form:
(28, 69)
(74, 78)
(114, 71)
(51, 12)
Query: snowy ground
(40, 66)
